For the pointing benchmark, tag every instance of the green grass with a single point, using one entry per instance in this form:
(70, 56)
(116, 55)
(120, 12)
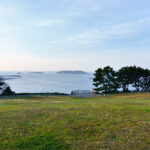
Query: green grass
(115, 122)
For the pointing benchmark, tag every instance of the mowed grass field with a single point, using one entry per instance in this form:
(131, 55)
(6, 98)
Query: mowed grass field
(115, 122)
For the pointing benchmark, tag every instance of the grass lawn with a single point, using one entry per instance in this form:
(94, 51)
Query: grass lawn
(118, 122)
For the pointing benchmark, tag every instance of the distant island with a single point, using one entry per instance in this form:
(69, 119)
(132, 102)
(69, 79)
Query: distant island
(9, 77)
(71, 72)
(37, 72)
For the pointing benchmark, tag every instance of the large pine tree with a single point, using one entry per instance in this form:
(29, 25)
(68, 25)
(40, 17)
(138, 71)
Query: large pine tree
(128, 78)
(105, 80)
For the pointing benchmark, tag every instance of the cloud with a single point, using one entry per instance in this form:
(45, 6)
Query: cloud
(89, 5)
(69, 29)
(72, 8)
(105, 33)
(78, 5)
(47, 23)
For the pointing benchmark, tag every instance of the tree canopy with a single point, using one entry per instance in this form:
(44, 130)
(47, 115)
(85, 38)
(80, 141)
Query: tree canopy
(4, 88)
(126, 79)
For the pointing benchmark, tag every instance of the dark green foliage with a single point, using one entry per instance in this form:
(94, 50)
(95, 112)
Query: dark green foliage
(8, 91)
(49, 141)
(98, 80)
(1, 83)
(124, 78)
(55, 94)
(108, 81)
(105, 80)
(145, 81)
(135, 77)
(5, 89)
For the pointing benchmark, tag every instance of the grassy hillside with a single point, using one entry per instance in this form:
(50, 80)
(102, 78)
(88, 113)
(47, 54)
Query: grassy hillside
(118, 122)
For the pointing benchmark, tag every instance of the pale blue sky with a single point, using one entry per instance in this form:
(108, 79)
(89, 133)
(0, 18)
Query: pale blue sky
(74, 34)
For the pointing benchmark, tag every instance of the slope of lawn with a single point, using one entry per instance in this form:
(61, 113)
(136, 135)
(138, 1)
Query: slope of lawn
(115, 122)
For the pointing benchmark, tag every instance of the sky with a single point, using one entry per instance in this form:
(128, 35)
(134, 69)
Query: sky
(52, 35)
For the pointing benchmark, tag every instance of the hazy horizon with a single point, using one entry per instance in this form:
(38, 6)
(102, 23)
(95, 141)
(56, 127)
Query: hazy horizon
(40, 70)
(28, 71)
(54, 35)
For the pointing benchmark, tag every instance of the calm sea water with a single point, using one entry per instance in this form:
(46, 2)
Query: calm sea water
(48, 82)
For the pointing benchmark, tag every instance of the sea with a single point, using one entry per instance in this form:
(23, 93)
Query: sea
(43, 82)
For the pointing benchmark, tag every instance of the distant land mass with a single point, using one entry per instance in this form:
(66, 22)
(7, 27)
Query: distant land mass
(71, 72)
(37, 72)
(9, 77)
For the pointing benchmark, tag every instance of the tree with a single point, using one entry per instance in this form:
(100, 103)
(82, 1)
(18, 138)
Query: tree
(98, 80)
(132, 76)
(110, 80)
(145, 80)
(1, 84)
(8, 91)
(5, 89)
(135, 78)
(105, 80)
(124, 78)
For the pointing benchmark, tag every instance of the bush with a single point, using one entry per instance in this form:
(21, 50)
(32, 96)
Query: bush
(8, 91)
